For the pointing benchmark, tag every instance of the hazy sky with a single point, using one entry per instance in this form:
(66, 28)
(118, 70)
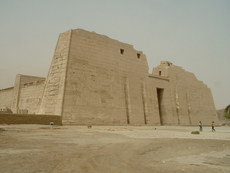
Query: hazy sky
(193, 34)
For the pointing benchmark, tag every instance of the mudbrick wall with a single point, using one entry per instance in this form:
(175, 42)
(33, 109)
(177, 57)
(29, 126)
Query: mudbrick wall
(29, 119)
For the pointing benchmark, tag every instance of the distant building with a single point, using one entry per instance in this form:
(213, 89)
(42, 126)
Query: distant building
(95, 80)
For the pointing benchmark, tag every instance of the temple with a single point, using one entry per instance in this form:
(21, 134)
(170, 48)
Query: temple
(96, 80)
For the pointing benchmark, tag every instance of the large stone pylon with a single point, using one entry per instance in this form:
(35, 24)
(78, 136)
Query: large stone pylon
(88, 78)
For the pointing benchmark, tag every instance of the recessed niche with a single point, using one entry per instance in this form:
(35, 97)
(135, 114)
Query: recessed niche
(122, 51)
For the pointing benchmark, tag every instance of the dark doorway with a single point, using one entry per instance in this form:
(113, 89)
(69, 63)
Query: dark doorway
(159, 99)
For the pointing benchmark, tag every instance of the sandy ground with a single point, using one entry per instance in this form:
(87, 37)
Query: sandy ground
(103, 149)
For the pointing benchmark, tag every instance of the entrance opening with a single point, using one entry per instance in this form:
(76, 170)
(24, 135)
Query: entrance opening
(159, 99)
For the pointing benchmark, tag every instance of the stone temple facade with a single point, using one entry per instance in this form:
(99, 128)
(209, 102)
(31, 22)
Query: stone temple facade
(96, 80)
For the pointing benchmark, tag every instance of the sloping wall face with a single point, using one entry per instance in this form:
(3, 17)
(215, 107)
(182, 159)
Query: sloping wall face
(18, 85)
(52, 98)
(30, 97)
(6, 96)
(191, 99)
(104, 82)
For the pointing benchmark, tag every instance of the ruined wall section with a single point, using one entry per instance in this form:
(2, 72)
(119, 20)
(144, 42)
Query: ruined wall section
(104, 83)
(6, 96)
(30, 97)
(18, 85)
(192, 99)
(52, 98)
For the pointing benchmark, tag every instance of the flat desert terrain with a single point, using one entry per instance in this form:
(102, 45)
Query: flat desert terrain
(113, 149)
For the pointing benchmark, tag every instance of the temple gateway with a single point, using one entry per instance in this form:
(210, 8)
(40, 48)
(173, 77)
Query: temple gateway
(96, 80)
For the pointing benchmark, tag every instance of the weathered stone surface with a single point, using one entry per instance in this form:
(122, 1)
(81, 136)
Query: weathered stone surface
(52, 99)
(102, 84)
(191, 99)
(94, 79)
(20, 82)
(6, 96)
(30, 96)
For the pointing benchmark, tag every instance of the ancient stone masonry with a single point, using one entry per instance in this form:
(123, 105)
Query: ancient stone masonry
(96, 80)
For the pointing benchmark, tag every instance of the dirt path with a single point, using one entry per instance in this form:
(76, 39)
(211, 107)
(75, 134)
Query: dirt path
(36, 148)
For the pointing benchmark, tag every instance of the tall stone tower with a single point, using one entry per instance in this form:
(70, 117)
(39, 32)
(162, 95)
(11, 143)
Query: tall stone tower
(191, 99)
(95, 80)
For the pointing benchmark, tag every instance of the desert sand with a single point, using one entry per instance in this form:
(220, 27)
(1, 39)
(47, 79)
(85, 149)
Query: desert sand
(119, 149)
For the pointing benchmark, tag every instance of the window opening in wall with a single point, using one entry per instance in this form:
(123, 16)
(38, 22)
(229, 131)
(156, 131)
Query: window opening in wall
(159, 73)
(122, 51)
(138, 55)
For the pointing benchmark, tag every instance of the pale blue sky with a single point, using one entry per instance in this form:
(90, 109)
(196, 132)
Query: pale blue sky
(193, 34)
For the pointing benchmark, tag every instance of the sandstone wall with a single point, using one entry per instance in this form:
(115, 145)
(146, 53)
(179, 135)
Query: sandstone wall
(30, 97)
(191, 99)
(6, 96)
(18, 85)
(104, 82)
(52, 98)
(162, 100)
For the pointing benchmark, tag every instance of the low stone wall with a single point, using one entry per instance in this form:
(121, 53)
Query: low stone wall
(30, 119)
